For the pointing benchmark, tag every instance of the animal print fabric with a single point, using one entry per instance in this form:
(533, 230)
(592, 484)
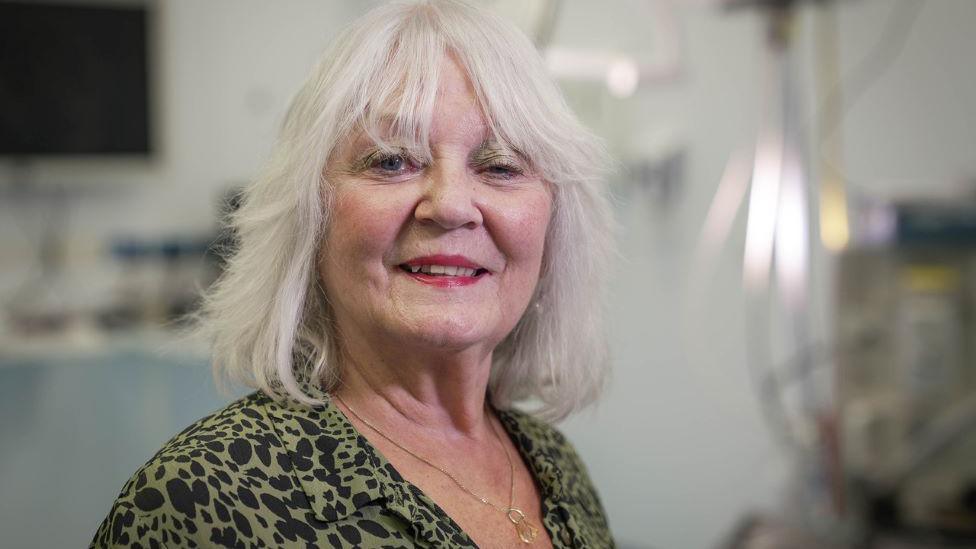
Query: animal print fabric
(265, 474)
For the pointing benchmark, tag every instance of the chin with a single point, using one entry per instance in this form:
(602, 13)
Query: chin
(453, 334)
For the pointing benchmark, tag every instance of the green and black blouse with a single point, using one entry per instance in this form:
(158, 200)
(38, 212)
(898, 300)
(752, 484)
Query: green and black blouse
(264, 474)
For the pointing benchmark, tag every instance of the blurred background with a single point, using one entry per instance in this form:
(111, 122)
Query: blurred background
(791, 319)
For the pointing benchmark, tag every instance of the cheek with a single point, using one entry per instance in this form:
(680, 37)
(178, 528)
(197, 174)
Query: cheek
(361, 231)
(363, 227)
(528, 225)
(525, 222)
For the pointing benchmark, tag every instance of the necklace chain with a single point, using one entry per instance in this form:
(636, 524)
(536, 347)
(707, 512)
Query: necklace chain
(526, 531)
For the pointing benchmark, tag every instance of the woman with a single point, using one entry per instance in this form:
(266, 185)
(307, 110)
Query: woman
(425, 248)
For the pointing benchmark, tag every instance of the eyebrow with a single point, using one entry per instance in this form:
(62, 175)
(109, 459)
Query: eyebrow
(491, 149)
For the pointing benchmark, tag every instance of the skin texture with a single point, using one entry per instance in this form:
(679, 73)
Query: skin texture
(417, 357)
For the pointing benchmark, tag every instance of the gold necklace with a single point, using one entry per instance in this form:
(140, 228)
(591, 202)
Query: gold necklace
(527, 532)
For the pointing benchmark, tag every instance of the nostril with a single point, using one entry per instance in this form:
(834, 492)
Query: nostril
(450, 210)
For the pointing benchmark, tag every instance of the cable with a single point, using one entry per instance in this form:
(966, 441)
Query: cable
(894, 36)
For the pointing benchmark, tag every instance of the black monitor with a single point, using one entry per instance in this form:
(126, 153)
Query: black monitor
(74, 79)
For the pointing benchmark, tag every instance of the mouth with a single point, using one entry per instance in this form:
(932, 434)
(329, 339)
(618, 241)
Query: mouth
(444, 270)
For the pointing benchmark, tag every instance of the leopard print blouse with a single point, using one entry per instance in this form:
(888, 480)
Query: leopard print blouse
(264, 474)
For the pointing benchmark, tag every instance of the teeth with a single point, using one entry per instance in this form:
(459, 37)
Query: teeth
(446, 270)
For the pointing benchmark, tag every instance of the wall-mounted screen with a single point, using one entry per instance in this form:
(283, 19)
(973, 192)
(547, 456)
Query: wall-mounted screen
(74, 79)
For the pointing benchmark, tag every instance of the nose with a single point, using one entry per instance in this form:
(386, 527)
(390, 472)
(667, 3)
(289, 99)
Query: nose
(450, 200)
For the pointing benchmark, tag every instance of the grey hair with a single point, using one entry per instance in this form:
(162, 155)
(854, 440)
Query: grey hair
(268, 318)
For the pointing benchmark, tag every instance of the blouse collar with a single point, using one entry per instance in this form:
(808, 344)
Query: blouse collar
(318, 438)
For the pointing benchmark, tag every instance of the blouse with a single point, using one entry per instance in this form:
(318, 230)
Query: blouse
(262, 473)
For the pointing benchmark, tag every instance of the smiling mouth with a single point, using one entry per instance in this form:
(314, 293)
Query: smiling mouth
(443, 270)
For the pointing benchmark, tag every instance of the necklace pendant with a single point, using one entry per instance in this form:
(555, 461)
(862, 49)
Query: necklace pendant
(527, 532)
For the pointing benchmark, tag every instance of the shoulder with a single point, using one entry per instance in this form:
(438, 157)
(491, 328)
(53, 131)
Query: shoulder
(203, 486)
(235, 436)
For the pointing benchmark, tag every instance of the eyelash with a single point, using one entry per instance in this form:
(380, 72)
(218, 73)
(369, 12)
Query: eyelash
(511, 170)
(373, 162)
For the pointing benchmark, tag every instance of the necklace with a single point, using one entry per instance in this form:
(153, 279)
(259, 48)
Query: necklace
(527, 532)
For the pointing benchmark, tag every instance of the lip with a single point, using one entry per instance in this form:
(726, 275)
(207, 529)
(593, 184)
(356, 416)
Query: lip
(446, 260)
(441, 281)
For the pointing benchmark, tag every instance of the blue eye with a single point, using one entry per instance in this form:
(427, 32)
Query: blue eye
(391, 163)
(504, 171)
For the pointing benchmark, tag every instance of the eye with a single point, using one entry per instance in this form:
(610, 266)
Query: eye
(503, 170)
(390, 163)
(499, 163)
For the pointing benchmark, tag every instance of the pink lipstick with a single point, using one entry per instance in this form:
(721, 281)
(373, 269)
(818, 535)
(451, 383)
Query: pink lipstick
(445, 271)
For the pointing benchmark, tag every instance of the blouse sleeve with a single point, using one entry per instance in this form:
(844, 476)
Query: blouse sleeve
(125, 527)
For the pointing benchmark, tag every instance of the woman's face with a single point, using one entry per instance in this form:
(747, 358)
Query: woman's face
(443, 253)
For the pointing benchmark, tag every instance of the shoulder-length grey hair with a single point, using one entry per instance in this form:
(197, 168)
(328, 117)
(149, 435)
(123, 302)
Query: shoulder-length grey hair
(268, 317)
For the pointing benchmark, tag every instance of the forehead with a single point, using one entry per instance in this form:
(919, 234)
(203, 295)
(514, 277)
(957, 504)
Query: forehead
(447, 126)
(457, 111)
(456, 115)
(441, 113)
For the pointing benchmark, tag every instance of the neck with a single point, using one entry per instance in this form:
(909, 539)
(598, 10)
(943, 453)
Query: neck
(441, 392)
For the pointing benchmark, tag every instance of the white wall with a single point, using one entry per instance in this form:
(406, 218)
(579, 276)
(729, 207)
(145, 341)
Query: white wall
(913, 129)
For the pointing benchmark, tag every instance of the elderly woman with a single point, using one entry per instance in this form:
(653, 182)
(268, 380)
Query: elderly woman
(426, 248)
